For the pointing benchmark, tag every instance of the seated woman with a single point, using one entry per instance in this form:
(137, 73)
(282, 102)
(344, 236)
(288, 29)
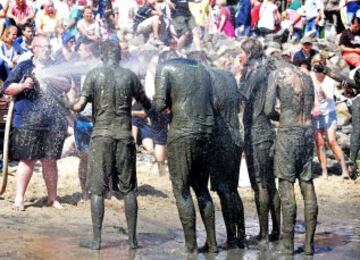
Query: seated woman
(224, 23)
(89, 28)
(8, 55)
(324, 117)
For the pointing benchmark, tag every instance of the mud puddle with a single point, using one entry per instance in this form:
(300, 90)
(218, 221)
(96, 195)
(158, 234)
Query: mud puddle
(338, 241)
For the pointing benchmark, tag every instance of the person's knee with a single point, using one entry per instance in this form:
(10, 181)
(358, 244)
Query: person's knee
(311, 207)
(332, 143)
(48, 163)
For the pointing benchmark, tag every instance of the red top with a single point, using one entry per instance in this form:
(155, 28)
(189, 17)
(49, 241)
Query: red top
(255, 15)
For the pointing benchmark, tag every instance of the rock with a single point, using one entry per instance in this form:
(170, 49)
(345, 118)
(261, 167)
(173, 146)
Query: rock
(347, 129)
(343, 140)
(343, 114)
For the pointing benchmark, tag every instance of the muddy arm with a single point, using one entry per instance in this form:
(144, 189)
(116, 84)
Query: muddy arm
(76, 106)
(271, 99)
(161, 89)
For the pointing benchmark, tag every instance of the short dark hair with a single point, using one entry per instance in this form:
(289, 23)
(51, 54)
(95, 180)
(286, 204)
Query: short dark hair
(27, 25)
(253, 48)
(355, 19)
(301, 61)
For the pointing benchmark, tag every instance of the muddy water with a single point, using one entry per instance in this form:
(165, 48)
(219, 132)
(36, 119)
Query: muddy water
(335, 241)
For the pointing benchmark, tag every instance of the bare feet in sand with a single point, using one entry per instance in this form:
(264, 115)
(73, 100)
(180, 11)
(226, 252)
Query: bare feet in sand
(18, 206)
(55, 204)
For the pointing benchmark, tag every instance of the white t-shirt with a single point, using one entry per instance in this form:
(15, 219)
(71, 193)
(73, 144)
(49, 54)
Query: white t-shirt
(267, 18)
(325, 92)
(312, 8)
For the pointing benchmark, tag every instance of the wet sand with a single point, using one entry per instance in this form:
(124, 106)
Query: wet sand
(46, 233)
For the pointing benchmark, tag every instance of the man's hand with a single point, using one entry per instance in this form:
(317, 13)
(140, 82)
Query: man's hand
(28, 83)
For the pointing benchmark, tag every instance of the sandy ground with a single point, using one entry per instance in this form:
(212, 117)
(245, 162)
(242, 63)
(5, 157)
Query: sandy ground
(46, 233)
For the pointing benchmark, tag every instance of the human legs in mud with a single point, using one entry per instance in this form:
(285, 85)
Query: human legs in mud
(224, 180)
(233, 213)
(355, 137)
(260, 166)
(288, 204)
(187, 166)
(114, 159)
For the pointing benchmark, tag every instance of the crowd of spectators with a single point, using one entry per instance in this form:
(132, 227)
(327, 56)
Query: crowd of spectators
(175, 23)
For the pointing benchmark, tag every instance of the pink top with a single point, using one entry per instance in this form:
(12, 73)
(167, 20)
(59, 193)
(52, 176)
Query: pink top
(21, 12)
(293, 16)
(228, 28)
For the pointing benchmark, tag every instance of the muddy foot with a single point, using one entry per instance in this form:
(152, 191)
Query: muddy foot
(274, 236)
(90, 244)
(241, 243)
(133, 245)
(208, 249)
(306, 251)
(228, 245)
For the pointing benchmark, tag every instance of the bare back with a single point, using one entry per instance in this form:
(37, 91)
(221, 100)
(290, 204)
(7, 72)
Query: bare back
(295, 91)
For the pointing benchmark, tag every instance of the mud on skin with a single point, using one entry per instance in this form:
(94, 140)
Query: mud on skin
(110, 89)
(226, 155)
(294, 149)
(184, 86)
(259, 141)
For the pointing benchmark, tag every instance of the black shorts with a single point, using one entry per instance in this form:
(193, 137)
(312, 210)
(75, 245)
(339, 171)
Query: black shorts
(111, 159)
(225, 167)
(30, 144)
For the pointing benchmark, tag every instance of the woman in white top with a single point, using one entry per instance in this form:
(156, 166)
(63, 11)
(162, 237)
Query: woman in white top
(8, 55)
(269, 17)
(88, 27)
(324, 117)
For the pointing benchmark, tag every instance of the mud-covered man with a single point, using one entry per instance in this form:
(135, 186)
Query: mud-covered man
(111, 89)
(259, 137)
(184, 86)
(226, 150)
(294, 148)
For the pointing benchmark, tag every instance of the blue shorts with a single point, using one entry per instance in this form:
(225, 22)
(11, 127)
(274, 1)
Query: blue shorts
(324, 122)
(82, 130)
(159, 127)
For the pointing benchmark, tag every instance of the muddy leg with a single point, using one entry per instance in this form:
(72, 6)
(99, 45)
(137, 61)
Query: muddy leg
(311, 211)
(207, 213)
(97, 216)
(275, 211)
(263, 211)
(228, 207)
(131, 210)
(82, 172)
(288, 204)
(186, 209)
(239, 218)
